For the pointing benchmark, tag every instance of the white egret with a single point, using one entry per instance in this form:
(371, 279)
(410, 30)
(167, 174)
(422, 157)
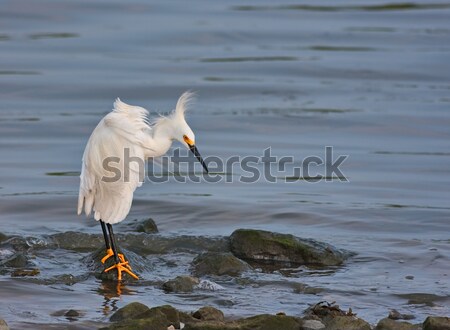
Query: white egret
(126, 131)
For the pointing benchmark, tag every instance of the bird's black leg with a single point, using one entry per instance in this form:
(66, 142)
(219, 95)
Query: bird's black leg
(113, 243)
(121, 264)
(105, 235)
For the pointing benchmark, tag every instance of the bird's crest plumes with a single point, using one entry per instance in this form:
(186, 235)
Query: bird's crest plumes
(183, 103)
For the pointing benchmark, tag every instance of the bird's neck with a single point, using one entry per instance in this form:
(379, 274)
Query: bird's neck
(161, 138)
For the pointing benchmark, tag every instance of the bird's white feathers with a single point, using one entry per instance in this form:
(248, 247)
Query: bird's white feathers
(113, 163)
(114, 158)
(183, 103)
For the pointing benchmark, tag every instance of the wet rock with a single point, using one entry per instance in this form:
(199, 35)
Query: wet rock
(389, 324)
(140, 243)
(72, 313)
(94, 263)
(130, 311)
(306, 289)
(147, 226)
(183, 283)
(18, 260)
(436, 323)
(76, 241)
(422, 298)
(265, 246)
(3, 325)
(209, 313)
(211, 263)
(396, 315)
(25, 272)
(3, 237)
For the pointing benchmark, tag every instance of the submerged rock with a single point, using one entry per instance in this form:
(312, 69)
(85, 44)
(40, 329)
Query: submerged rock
(436, 323)
(396, 315)
(211, 263)
(183, 283)
(18, 260)
(265, 246)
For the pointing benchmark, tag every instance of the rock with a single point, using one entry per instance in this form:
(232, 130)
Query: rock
(209, 313)
(136, 316)
(18, 260)
(345, 322)
(172, 314)
(270, 322)
(25, 272)
(336, 319)
(147, 226)
(211, 263)
(436, 323)
(72, 313)
(389, 324)
(312, 325)
(396, 315)
(93, 262)
(77, 241)
(158, 321)
(182, 283)
(130, 311)
(265, 246)
(3, 237)
(428, 299)
(3, 325)
(306, 289)
(259, 322)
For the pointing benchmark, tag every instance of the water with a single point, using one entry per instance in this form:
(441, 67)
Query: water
(372, 80)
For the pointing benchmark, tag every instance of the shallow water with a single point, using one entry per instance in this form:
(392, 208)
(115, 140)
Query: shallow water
(370, 80)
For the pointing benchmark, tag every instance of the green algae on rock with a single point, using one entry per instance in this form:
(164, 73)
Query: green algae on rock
(183, 283)
(211, 263)
(268, 247)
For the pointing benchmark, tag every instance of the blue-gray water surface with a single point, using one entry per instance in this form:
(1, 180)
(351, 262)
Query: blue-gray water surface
(371, 79)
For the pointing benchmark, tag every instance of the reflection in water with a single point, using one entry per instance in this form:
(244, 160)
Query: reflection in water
(111, 292)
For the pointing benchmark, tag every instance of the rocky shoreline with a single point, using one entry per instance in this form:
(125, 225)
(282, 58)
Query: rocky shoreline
(241, 253)
(137, 316)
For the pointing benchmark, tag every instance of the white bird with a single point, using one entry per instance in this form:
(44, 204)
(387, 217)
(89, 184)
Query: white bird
(108, 180)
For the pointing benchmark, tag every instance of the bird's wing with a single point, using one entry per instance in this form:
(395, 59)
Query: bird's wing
(113, 163)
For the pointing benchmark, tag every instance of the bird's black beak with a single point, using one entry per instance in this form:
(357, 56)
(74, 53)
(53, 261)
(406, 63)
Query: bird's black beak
(194, 150)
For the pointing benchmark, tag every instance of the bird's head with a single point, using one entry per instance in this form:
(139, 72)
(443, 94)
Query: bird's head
(182, 131)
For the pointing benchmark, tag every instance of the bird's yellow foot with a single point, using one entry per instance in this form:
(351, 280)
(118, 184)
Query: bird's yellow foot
(122, 267)
(110, 253)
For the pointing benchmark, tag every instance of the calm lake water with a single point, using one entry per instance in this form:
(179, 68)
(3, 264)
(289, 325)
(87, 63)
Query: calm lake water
(371, 79)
